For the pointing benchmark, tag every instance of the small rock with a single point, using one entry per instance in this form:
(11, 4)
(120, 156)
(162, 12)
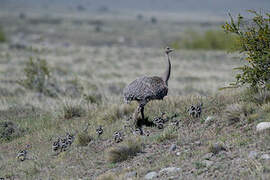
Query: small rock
(208, 156)
(208, 163)
(169, 170)
(178, 154)
(262, 126)
(130, 174)
(253, 154)
(198, 143)
(209, 119)
(216, 148)
(151, 175)
(173, 147)
(265, 157)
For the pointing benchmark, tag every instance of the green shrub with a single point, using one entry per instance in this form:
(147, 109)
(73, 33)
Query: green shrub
(254, 41)
(2, 35)
(209, 40)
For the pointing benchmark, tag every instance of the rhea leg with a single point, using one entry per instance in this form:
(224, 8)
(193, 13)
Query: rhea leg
(137, 120)
(142, 111)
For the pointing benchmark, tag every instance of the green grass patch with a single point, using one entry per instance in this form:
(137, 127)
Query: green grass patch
(209, 40)
(2, 35)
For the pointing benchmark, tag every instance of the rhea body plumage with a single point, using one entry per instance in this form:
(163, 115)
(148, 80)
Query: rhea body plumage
(145, 89)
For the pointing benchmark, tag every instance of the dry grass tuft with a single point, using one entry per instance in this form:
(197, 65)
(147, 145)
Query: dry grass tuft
(116, 112)
(167, 134)
(252, 117)
(265, 108)
(124, 151)
(73, 109)
(8, 131)
(233, 113)
(262, 97)
(94, 98)
(83, 139)
(216, 148)
(236, 112)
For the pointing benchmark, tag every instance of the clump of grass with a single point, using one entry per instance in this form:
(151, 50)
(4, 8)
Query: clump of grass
(94, 98)
(216, 148)
(116, 88)
(199, 165)
(251, 118)
(2, 35)
(209, 40)
(38, 77)
(262, 96)
(167, 134)
(8, 131)
(124, 151)
(237, 112)
(74, 88)
(265, 108)
(73, 109)
(116, 112)
(82, 139)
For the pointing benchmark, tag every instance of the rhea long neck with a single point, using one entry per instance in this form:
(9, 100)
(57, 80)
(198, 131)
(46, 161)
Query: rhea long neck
(167, 73)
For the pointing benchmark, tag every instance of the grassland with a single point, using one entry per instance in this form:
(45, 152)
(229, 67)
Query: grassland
(80, 86)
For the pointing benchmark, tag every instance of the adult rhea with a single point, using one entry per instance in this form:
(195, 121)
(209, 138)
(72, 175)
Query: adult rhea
(145, 89)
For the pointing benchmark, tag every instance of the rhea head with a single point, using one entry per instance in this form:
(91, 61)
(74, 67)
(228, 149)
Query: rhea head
(168, 50)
